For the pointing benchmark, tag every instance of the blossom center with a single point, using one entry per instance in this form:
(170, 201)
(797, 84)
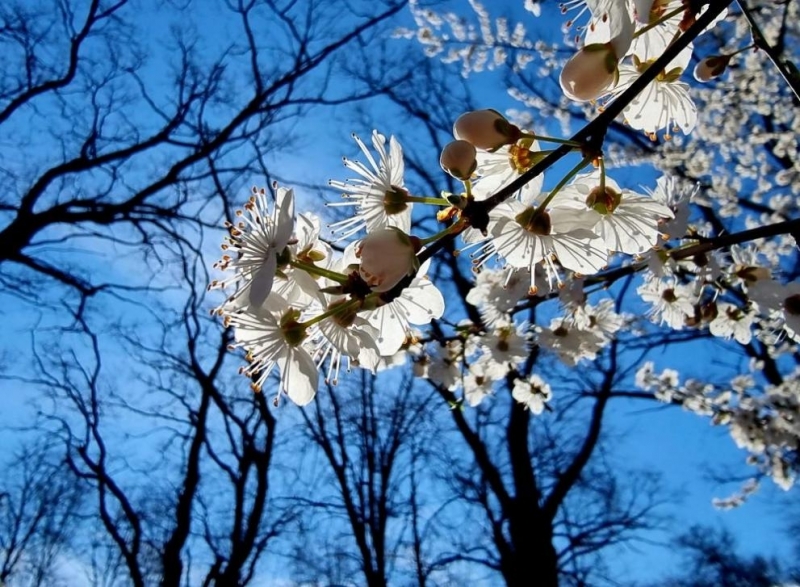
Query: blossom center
(395, 200)
(603, 200)
(293, 331)
(346, 315)
(521, 157)
(663, 76)
(535, 222)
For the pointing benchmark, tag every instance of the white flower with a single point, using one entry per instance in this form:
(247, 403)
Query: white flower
(379, 194)
(253, 247)
(677, 197)
(506, 345)
(626, 221)
(477, 383)
(611, 23)
(671, 302)
(645, 376)
(298, 287)
(417, 304)
(782, 300)
(747, 269)
(499, 168)
(533, 393)
(524, 237)
(664, 104)
(496, 293)
(570, 342)
(275, 338)
(344, 337)
(732, 321)
(602, 318)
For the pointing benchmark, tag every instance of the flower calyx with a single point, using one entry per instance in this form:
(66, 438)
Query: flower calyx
(535, 221)
(293, 331)
(343, 312)
(395, 200)
(603, 199)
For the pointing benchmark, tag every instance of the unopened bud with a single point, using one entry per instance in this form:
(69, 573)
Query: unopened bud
(459, 159)
(387, 256)
(486, 129)
(711, 67)
(589, 73)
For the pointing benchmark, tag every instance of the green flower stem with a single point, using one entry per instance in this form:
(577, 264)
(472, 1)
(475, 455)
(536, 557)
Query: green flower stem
(661, 20)
(566, 179)
(441, 234)
(468, 188)
(338, 309)
(421, 200)
(319, 271)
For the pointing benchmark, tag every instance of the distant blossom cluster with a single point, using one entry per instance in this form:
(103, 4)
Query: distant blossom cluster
(296, 303)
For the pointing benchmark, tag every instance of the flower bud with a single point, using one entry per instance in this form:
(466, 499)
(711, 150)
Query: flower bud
(486, 129)
(711, 67)
(459, 159)
(589, 73)
(387, 256)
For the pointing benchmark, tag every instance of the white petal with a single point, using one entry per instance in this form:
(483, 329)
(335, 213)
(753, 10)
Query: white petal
(285, 218)
(261, 284)
(581, 251)
(391, 332)
(299, 375)
(422, 302)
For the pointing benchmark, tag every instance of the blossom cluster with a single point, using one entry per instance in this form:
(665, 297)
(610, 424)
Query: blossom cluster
(298, 305)
(309, 304)
(761, 421)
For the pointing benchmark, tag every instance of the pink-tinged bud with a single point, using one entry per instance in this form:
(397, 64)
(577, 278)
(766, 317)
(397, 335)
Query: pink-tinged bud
(486, 129)
(387, 256)
(589, 73)
(459, 159)
(711, 67)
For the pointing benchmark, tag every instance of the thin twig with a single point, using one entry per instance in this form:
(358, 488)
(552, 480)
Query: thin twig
(786, 68)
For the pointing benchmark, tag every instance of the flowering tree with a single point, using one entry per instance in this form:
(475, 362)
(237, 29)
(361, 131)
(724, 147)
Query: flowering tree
(296, 304)
(562, 274)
